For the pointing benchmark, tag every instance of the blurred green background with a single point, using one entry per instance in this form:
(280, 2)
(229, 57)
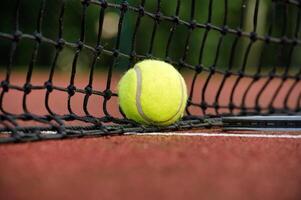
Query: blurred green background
(240, 14)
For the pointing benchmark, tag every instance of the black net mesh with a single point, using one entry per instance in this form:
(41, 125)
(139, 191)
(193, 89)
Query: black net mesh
(61, 60)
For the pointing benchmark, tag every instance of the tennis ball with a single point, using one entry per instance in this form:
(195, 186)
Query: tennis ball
(152, 92)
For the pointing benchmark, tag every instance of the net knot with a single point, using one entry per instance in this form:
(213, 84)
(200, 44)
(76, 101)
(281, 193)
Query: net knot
(231, 106)
(181, 62)
(17, 36)
(107, 94)
(208, 26)
(168, 59)
(27, 88)
(27, 116)
(60, 43)
(203, 105)
(5, 85)
(238, 32)
(240, 73)
(141, 11)
(176, 19)
(116, 53)
(149, 56)
(70, 117)
(158, 17)
(103, 3)
(80, 45)
(71, 90)
(108, 118)
(88, 90)
(38, 36)
(124, 6)
(267, 39)
(48, 85)
(227, 74)
(189, 100)
(98, 49)
(133, 54)
(86, 2)
(192, 24)
(212, 70)
(253, 36)
(216, 106)
(225, 30)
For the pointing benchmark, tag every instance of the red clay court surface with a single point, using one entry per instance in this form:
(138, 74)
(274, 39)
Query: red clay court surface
(147, 167)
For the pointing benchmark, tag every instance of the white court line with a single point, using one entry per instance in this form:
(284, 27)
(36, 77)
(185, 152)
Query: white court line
(286, 136)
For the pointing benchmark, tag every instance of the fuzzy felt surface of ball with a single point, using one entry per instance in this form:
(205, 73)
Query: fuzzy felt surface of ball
(153, 92)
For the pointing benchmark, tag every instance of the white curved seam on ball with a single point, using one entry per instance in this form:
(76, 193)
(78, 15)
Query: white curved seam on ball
(138, 97)
(138, 94)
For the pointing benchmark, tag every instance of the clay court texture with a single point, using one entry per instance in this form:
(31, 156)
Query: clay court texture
(153, 167)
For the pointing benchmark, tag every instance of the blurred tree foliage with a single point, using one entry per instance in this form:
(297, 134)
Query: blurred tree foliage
(240, 14)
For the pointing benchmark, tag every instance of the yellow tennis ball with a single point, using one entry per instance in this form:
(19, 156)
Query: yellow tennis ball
(152, 92)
